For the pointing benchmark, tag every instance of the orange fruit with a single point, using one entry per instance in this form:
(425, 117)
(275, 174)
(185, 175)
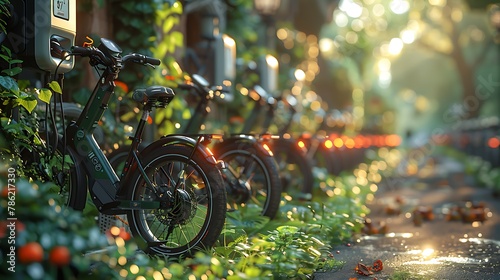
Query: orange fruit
(60, 256)
(31, 252)
(124, 234)
(5, 192)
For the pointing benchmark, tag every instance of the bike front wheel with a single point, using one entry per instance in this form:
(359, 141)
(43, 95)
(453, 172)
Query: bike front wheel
(251, 177)
(192, 197)
(59, 166)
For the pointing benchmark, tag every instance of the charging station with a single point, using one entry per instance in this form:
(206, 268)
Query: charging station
(39, 32)
(268, 67)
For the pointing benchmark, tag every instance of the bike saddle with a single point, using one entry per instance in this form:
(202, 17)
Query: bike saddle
(155, 96)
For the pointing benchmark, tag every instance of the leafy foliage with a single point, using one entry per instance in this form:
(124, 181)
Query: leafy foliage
(40, 220)
(19, 124)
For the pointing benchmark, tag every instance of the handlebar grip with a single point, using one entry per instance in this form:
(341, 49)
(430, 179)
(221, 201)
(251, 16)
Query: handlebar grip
(141, 59)
(152, 60)
(185, 86)
(81, 51)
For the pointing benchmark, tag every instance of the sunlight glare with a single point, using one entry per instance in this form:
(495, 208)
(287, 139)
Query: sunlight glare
(384, 65)
(357, 25)
(385, 79)
(427, 252)
(300, 75)
(408, 36)
(351, 8)
(395, 46)
(378, 10)
(341, 20)
(326, 45)
(440, 3)
(351, 37)
(399, 6)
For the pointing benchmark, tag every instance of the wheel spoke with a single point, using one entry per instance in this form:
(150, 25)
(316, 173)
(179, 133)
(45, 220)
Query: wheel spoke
(185, 192)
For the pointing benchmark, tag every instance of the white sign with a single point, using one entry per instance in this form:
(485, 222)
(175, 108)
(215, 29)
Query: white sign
(61, 9)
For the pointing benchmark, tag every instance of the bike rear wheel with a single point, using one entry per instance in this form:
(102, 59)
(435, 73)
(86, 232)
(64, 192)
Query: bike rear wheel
(192, 193)
(251, 177)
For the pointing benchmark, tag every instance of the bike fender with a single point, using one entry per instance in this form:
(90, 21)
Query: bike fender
(180, 139)
(246, 140)
(81, 190)
(169, 140)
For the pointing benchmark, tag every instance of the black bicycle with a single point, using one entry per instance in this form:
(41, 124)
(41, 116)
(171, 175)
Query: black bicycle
(250, 174)
(171, 191)
(295, 167)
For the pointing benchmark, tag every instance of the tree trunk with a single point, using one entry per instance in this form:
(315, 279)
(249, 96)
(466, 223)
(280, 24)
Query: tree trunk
(471, 105)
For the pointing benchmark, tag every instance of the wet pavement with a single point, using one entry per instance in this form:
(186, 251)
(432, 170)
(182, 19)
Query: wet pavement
(437, 225)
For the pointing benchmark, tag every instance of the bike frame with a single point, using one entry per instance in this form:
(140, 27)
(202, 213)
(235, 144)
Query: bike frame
(200, 114)
(104, 184)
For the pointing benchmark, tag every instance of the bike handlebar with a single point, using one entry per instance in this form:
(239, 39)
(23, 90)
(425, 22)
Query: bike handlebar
(186, 86)
(91, 52)
(96, 53)
(141, 59)
(206, 92)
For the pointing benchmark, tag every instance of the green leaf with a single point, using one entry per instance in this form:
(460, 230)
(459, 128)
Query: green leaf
(37, 141)
(161, 50)
(13, 71)
(23, 84)
(29, 105)
(177, 38)
(54, 85)
(67, 159)
(186, 114)
(7, 50)
(45, 95)
(122, 35)
(224, 231)
(8, 83)
(176, 8)
(137, 23)
(169, 23)
(4, 57)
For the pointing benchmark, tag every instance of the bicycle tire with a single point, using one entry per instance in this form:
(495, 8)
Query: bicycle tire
(294, 167)
(198, 211)
(71, 180)
(77, 184)
(252, 169)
